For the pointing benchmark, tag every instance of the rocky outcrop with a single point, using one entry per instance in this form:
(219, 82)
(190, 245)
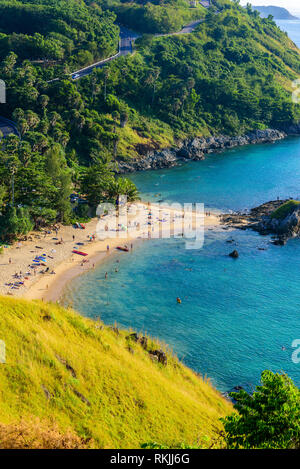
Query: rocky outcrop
(262, 220)
(196, 149)
(160, 356)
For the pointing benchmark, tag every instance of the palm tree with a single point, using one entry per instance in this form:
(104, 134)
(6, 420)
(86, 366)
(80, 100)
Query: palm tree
(123, 186)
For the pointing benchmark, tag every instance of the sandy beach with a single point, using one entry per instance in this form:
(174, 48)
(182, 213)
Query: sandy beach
(22, 273)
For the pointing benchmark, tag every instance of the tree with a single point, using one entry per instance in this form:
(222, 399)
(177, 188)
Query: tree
(269, 418)
(57, 169)
(123, 118)
(44, 100)
(96, 181)
(13, 222)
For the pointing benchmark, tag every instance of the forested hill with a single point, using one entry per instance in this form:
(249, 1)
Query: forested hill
(233, 74)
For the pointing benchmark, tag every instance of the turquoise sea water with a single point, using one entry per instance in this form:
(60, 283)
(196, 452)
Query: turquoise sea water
(236, 315)
(292, 27)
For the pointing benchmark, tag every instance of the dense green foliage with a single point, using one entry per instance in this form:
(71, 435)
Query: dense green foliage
(269, 418)
(64, 31)
(232, 75)
(156, 16)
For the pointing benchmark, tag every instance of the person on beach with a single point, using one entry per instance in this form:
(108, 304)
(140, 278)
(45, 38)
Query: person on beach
(73, 237)
(106, 274)
(9, 260)
(107, 248)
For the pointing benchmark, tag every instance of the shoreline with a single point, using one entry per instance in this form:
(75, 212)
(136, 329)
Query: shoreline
(66, 265)
(51, 289)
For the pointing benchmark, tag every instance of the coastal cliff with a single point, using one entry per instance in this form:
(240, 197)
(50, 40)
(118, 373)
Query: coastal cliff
(197, 148)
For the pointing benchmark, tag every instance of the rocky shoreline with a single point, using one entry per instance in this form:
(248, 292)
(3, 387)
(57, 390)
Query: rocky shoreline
(262, 220)
(197, 148)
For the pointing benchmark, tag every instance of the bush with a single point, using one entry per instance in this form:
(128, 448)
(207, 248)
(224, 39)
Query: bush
(269, 418)
(14, 222)
(82, 210)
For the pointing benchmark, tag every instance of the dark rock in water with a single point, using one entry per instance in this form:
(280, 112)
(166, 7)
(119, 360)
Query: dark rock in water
(228, 394)
(234, 254)
(279, 242)
(238, 388)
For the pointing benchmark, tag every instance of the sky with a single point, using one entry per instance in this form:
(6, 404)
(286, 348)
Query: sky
(292, 5)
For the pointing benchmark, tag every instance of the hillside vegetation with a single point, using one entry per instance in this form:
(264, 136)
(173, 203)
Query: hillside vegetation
(155, 16)
(285, 209)
(72, 382)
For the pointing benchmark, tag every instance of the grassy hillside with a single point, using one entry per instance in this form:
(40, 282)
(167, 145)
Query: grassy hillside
(89, 380)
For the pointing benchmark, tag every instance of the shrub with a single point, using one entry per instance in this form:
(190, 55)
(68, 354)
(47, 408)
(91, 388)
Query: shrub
(285, 209)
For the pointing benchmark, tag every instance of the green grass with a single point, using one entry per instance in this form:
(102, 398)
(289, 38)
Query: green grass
(130, 399)
(285, 209)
